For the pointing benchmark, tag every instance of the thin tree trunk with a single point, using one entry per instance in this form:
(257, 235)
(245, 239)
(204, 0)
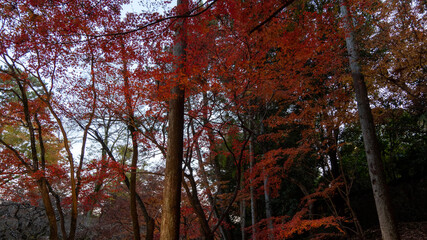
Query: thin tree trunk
(44, 181)
(217, 170)
(133, 209)
(332, 152)
(226, 233)
(173, 173)
(149, 220)
(132, 130)
(60, 211)
(306, 194)
(74, 213)
(242, 208)
(50, 213)
(242, 218)
(195, 203)
(268, 212)
(332, 138)
(373, 155)
(205, 181)
(85, 133)
(251, 188)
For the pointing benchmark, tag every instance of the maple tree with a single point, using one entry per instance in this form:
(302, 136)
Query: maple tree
(247, 106)
(24, 112)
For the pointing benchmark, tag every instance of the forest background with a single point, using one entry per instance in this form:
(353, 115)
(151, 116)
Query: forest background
(267, 119)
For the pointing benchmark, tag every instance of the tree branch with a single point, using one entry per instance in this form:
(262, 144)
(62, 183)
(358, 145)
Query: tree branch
(287, 3)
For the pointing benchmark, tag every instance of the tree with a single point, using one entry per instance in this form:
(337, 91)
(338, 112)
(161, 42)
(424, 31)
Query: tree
(29, 111)
(397, 50)
(373, 154)
(243, 99)
(173, 171)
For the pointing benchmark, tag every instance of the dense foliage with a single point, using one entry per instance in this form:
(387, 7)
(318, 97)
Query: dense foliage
(253, 99)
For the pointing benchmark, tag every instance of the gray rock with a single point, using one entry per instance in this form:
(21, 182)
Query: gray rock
(22, 221)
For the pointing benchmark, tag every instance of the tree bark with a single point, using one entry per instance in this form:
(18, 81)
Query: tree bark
(205, 182)
(132, 131)
(149, 220)
(268, 212)
(133, 209)
(251, 188)
(204, 176)
(44, 191)
(195, 203)
(74, 203)
(173, 173)
(373, 155)
(242, 218)
(50, 213)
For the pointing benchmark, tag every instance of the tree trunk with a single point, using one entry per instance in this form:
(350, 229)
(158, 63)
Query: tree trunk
(74, 199)
(373, 155)
(197, 207)
(205, 181)
(242, 218)
(50, 213)
(251, 188)
(149, 234)
(133, 209)
(226, 233)
(242, 207)
(149, 220)
(332, 135)
(268, 212)
(60, 211)
(132, 130)
(173, 173)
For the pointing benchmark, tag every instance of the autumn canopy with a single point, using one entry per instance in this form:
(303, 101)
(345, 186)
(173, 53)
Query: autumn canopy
(218, 119)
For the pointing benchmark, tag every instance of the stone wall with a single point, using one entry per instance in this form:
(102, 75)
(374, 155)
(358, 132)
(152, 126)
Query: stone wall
(22, 221)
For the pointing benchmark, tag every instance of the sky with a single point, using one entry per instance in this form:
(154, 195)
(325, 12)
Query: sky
(138, 6)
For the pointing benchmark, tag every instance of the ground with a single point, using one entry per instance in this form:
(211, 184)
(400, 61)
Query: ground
(407, 231)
